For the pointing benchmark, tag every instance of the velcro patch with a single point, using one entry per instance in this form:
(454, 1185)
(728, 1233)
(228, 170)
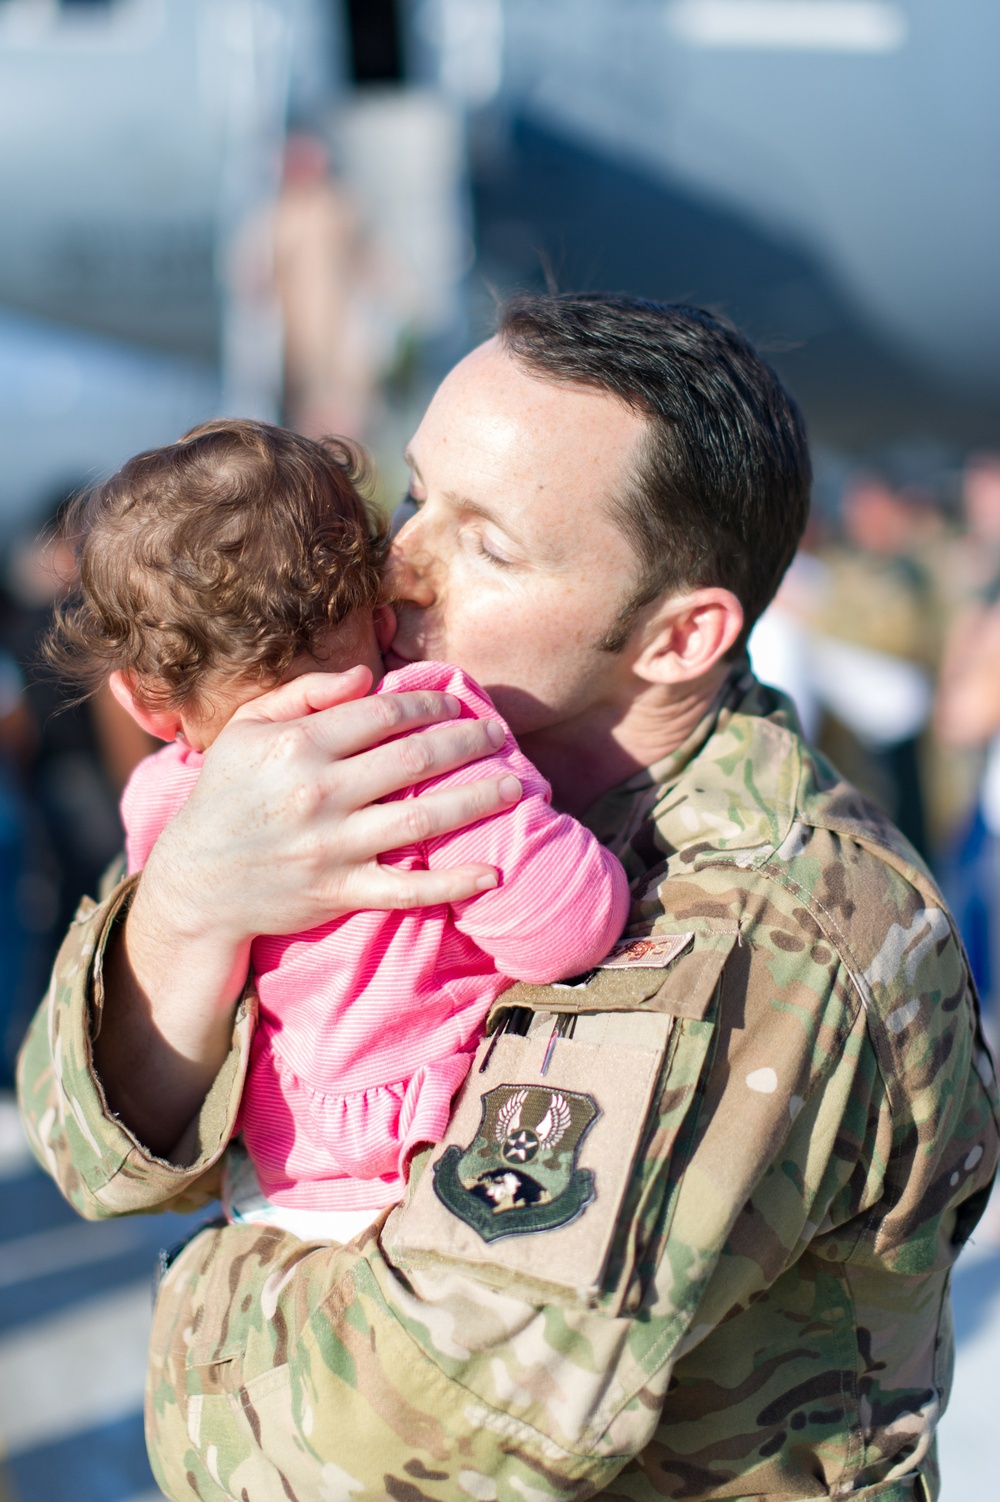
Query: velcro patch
(652, 953)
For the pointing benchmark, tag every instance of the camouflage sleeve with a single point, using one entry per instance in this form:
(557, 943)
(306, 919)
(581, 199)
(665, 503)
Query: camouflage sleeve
(97, 1163)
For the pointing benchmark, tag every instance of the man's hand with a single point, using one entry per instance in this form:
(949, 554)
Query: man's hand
(282, 832)
(284, 828)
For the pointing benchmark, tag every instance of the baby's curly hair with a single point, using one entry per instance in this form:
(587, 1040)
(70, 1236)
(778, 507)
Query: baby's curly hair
(230, 551)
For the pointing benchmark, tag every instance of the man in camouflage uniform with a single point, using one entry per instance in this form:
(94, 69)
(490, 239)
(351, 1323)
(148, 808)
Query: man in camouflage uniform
(691, 1230)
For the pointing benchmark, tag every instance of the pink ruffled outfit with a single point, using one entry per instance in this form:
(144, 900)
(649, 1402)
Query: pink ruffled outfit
(368, 1024)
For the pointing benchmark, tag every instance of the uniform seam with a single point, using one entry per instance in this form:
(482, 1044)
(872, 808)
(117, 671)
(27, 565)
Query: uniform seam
(829, 924)
(539, 1440)
(849, 960)
(855, 972)
(875, 1034)
(850, 1388)
(850, 963)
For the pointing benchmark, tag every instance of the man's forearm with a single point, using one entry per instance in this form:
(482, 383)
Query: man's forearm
(97, 1156)
(166, 1022)
(388, 1393)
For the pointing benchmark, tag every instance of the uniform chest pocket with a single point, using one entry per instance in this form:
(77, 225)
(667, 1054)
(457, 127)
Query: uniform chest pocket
(554, 1174)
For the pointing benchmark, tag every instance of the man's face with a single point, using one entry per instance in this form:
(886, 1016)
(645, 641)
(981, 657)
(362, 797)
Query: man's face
(513, 567)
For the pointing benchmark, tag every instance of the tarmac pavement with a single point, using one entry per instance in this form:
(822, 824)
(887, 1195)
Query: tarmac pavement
(75, 1303)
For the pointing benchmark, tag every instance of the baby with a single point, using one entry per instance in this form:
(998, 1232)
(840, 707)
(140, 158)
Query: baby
(211, 570)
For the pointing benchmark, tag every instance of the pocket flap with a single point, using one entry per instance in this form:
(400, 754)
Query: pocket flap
(678, 979)
(688, 989)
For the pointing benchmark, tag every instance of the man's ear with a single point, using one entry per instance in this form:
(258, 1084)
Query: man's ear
(163, 723)
(688, 635)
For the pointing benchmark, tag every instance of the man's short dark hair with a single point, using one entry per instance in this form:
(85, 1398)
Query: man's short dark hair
(721, 494)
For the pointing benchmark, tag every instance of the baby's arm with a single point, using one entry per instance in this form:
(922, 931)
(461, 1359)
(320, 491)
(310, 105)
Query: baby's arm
(562, 899)
(155, 793)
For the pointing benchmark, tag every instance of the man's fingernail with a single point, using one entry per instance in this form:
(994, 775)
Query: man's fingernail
(485, 883)
(495, 733)
(510, 789)
(452, 705)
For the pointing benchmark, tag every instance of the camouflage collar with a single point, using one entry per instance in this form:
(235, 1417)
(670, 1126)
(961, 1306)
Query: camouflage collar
(737, 788)
(730, 785)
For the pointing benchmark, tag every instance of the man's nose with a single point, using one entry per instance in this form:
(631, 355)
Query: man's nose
(404, 512)
(409, 569)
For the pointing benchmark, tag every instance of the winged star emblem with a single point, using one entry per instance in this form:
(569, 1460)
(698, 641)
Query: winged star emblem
(520, 1144)
(488, 1184)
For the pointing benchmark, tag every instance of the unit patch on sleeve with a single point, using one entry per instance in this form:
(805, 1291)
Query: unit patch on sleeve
(543, 1138)
(518, 1175)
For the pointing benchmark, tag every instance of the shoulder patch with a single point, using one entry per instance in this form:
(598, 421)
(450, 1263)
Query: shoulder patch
(518, 1175)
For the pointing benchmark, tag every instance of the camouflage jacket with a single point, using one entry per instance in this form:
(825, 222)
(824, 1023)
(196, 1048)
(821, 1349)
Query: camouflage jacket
(739, 1290)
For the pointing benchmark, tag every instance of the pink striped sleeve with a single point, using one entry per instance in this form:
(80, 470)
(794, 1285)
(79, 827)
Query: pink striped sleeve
(155, 793)
(563, 899)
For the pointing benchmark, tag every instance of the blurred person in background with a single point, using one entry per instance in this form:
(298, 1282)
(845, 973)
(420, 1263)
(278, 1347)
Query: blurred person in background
(341, 301)
(879, 609)
(967, 717)
(857, 621)
(16, 742)
(74, 758)
(333, 288)
(973, 559)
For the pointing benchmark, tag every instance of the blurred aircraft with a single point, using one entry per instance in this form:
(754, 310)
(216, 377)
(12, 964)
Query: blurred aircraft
(824, 171)
(134, 137)
(130, 131)
(862, 132)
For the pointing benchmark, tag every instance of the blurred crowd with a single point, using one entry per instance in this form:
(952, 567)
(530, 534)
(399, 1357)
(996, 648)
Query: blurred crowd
(886, 633)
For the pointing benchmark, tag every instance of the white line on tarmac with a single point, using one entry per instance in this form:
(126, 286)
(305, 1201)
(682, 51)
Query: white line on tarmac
(67, 1247)
(968, 1428)
(73, 1371)
(16, 1156)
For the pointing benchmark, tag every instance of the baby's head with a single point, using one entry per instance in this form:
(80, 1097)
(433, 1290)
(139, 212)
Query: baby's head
(216, 567)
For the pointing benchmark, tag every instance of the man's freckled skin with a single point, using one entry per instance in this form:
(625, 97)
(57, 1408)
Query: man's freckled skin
(499, 440)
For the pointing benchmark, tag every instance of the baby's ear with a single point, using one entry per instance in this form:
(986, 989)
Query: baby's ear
(385, 626)
(163, 723)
